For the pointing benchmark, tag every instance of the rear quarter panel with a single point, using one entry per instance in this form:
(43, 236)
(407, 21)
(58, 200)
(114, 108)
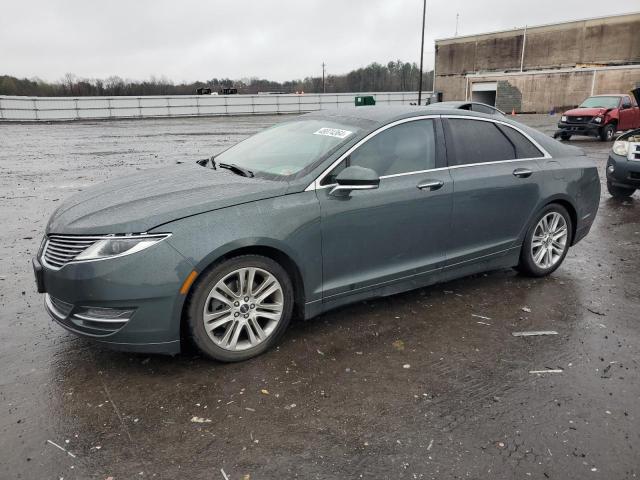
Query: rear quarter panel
(574, 180)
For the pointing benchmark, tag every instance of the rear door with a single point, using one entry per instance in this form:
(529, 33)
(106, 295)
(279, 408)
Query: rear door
(495, 178)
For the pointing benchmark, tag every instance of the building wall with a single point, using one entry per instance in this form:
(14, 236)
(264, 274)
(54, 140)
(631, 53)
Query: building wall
(575, 47)
(603, 41)
(542, 92)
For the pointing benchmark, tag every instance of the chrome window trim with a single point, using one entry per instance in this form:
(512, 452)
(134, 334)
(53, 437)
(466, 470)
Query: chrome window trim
(315, 185)
(545, 154)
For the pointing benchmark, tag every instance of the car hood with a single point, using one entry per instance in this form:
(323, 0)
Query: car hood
(586, 112)
(140, 202)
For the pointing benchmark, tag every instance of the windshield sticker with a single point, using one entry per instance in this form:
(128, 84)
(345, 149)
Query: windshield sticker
(333, 132)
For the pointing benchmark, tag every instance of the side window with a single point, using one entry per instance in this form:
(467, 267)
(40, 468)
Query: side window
(524, 148)
(407, 147)
(483, 109)
(477, 141)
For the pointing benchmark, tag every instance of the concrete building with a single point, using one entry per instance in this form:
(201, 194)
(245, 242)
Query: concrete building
(536, 69)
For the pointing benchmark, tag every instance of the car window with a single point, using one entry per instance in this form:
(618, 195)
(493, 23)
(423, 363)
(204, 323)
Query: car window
(483, 109)
(477, 141)
(601, 102)
(289, 147)
(408, 147)
(524, 147)
(626, 100)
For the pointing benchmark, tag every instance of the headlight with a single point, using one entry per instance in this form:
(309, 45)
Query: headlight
(118, 246)
(563, 118)
(621, 147)
(598, 119)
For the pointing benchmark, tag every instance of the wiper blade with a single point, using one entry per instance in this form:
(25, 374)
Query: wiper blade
(236, 169)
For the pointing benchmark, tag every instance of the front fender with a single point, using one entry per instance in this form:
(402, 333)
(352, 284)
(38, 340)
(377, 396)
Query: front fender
(289, 224)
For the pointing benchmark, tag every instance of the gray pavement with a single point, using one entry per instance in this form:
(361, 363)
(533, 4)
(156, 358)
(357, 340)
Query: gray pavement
(428, 384)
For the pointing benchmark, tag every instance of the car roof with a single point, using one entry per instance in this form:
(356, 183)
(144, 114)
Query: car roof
(383, 114)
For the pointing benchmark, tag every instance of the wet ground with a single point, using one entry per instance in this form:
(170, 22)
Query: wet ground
(428, 384)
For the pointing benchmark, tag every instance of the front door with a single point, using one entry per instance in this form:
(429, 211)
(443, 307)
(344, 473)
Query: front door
(626, 115)
(396, 232)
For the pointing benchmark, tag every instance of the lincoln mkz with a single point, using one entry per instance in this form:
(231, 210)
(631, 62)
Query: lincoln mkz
(326, 209)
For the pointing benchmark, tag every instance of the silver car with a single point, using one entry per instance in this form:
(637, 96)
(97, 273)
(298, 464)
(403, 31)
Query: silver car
(317, 212)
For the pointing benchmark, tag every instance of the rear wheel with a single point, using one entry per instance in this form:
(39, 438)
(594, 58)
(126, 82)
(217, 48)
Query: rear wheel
(619, 192)
(607, 133)
(240, 308)
(547, 242)
(565, 136)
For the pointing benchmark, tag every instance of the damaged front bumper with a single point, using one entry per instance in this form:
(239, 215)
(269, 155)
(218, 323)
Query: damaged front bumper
(590, 129)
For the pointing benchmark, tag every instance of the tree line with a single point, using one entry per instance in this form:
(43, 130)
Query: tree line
(392, 77)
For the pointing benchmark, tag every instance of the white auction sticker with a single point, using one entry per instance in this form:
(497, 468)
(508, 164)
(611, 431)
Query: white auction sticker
(333, 132)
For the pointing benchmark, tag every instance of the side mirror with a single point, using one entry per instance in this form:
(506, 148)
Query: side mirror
(626, 105)
(355, 178)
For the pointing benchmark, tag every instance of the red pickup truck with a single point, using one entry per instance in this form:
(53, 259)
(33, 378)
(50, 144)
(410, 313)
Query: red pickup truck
(600, 116)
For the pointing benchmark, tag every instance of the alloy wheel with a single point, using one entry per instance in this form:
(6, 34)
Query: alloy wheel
(549, 240)
(243, 308)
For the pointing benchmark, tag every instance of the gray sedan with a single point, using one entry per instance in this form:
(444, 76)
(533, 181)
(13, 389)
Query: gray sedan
(317, 212)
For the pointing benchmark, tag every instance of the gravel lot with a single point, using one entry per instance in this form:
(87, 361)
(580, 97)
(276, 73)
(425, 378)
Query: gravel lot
(427, 384)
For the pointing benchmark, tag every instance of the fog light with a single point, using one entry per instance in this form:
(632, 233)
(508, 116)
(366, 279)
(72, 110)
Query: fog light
(611, 168)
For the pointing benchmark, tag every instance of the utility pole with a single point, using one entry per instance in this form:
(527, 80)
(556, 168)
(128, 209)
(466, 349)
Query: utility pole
(323, 66)
(424, 16)
(457, 18)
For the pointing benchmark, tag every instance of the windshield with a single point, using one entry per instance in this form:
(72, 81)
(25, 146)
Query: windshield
(600, 102)
(287, 148)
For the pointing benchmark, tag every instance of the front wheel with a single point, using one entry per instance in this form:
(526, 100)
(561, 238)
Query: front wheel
(619, 192)
(240, 308)
(547, 242)
(607, 133)
(565, 137)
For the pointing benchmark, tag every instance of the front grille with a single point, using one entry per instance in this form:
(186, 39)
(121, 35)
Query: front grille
(580, 119)
(634, 151)
(61, 249)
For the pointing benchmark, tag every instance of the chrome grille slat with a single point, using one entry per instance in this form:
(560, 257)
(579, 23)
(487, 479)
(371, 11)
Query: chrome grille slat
(55, 256)
(71, 244)
(58, 248)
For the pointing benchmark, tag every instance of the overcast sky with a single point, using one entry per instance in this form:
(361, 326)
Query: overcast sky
(187, 40)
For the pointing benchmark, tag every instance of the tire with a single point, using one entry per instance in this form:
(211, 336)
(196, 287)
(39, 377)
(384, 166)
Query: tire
(607, 133)
(619, 192)
(238, 315)
(529, 264)
(565, 137)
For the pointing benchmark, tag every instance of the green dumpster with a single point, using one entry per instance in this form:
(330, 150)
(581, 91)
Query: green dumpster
(365, 100)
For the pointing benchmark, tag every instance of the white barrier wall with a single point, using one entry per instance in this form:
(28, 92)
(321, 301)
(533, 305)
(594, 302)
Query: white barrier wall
(79, 108)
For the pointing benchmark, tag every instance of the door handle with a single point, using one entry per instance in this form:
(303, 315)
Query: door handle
(430, 185)
(522, 172)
